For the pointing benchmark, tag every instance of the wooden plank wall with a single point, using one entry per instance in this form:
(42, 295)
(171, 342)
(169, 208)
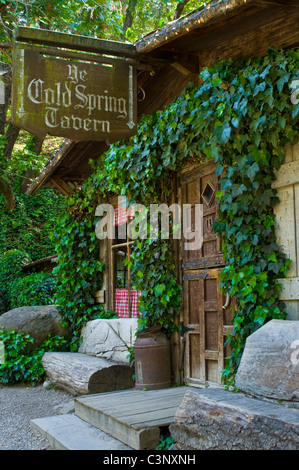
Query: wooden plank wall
(287, 226)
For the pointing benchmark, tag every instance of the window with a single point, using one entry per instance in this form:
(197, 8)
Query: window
(123, 299)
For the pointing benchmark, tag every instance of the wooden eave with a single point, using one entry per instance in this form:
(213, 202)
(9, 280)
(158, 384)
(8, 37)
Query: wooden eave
(41, 264)
(237, 29)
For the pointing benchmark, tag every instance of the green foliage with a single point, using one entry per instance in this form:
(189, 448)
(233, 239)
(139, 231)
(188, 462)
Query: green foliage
(22, 363)
(25, 233)
(242, 117)
(19, 363)
(20, 289)
(33, 289)
(31, 223)
(104, 19)
(11, 263)
(153, 14)
(166, 443)
(79, 270)
(22, 157)
(107, 315)
(153, 268)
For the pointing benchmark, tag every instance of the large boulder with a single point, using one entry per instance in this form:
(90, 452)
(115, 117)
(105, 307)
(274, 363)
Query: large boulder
(109, 339)
(37, 321)
(270, 363)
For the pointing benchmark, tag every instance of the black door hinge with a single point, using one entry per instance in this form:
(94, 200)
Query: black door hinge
(184, 329)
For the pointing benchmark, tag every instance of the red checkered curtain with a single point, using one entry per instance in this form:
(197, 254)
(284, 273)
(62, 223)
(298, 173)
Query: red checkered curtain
(120, 216)
(122, 303)
(134, 303)
(121, 212)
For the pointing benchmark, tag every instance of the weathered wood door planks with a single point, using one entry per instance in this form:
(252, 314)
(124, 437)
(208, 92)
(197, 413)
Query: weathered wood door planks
(287, 226)
(207, 321)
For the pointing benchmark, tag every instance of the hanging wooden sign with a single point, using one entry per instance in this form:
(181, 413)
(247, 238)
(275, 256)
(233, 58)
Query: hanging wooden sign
(73, 98)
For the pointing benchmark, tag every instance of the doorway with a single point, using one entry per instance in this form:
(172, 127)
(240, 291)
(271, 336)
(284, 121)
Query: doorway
(207, 312)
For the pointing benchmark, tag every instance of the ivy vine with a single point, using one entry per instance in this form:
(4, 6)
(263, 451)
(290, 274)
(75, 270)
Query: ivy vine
(240, 115)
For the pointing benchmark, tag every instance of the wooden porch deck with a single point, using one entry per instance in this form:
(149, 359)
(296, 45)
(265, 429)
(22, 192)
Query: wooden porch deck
(134, 417)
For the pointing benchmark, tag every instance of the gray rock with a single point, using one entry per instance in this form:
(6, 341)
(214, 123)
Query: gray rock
(37, 321)
(109, 339)
(270, 363)
(47, 385)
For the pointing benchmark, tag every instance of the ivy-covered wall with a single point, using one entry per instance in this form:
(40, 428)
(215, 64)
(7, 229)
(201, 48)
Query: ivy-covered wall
(241, 116)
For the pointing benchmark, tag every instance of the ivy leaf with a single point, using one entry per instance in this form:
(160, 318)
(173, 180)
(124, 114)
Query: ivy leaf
(272, 257)
(159, 289)
(236, 122)
(220, 109)
(252, 170)
(259, 88)
(281, 82)
(281, 121)
(222, 133)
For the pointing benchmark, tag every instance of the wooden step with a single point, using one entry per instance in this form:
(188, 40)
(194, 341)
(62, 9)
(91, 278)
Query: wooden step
(68, 432)
(134, 417)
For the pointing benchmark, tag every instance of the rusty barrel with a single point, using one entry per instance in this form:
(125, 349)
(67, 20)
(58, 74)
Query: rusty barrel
(152, 360)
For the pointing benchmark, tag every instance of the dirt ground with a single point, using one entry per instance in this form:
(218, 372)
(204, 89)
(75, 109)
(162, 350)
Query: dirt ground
(21, 403)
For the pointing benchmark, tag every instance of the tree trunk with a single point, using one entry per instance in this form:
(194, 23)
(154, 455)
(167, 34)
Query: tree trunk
(129, 16)
(7, 192)
(4, 107)
(30, 174)
(11, 137)
(83, 374)
(5, 188)
(179, 9)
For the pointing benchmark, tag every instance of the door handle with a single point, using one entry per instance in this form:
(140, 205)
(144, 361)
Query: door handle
(227, 301)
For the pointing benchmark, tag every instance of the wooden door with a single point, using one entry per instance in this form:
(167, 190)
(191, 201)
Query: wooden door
(206, 321)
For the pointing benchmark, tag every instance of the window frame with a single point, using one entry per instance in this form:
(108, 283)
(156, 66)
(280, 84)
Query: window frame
(112, 268)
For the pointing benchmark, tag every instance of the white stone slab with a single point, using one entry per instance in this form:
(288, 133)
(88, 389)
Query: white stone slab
(68, 432)
(109, 339)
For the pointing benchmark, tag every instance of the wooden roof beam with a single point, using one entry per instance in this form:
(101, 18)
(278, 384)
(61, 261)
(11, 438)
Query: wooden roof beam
(75, 42)
(186, 63)
(61, 185)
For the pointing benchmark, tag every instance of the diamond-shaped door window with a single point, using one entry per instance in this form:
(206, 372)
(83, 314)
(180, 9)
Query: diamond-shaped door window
(208, 193)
